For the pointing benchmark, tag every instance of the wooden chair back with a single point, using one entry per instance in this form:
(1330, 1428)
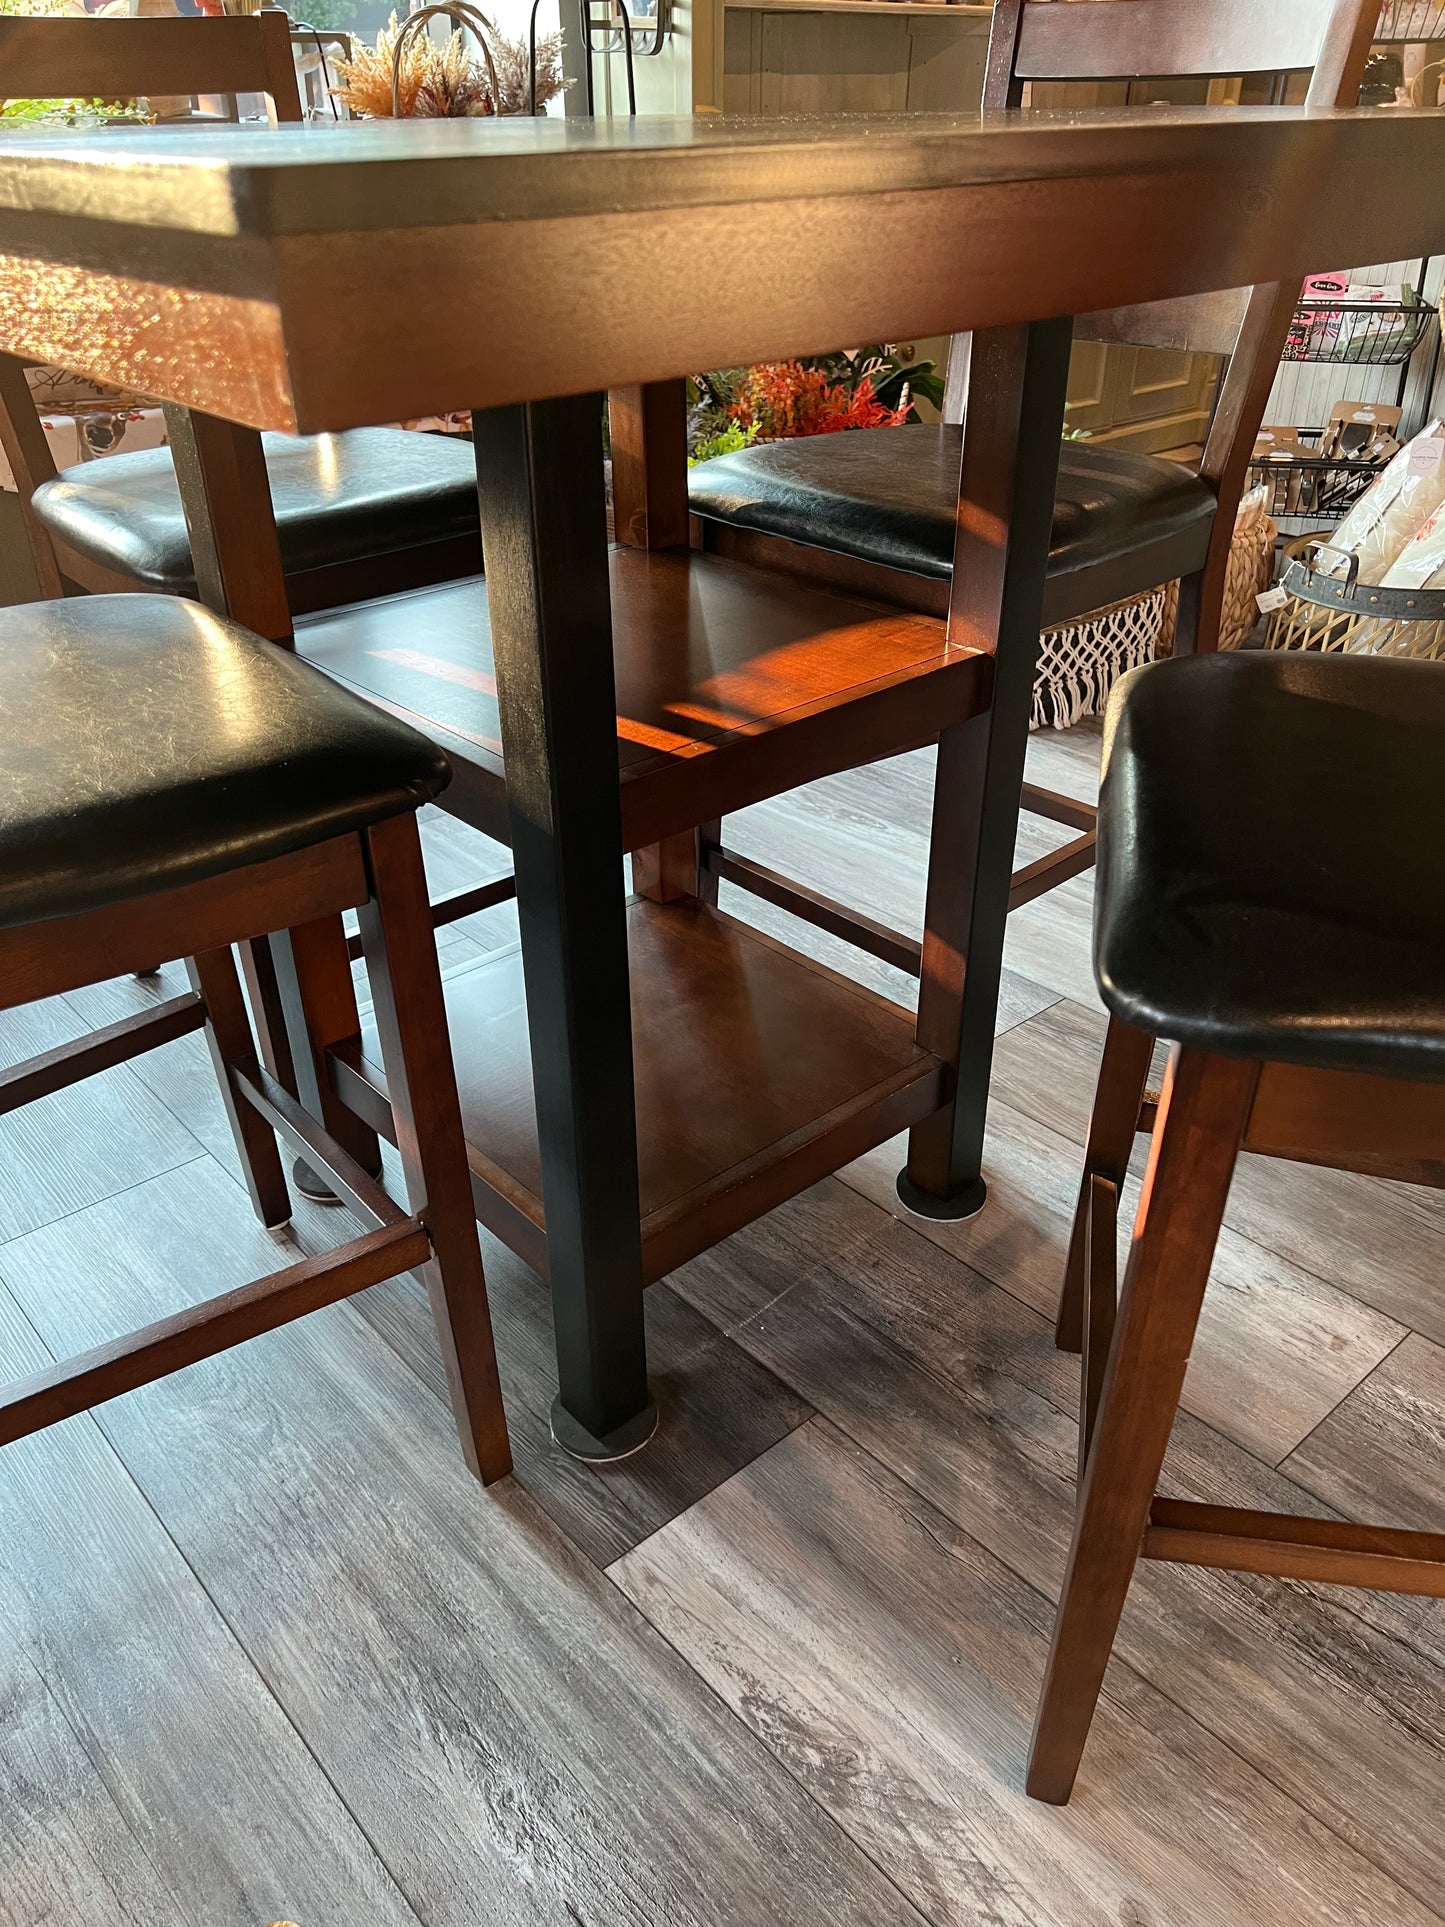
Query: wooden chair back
(1054, 40)
(84, 58)
(1197, 39)
(44, 57)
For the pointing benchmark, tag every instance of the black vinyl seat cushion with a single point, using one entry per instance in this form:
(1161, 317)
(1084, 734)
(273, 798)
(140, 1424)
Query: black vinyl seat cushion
(889, 496)
(1271, 876)
(149, 743)
(338, 499)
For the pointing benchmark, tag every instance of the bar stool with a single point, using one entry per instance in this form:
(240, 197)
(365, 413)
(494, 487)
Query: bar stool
(1267, 902)
(877, 509)
(172, 785)
(364, 513)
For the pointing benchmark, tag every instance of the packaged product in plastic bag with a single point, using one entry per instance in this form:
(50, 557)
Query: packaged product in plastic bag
(1421, 563)
(1392, 510)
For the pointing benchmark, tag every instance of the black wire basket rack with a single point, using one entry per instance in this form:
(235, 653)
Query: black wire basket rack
(1411, 20)
(1307, 492)
(1376, 334)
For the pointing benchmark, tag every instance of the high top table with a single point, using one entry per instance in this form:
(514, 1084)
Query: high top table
(329, 277)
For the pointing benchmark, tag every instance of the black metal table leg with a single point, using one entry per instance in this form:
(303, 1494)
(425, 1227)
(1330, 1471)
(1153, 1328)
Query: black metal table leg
(1010, 470)
(544, 543)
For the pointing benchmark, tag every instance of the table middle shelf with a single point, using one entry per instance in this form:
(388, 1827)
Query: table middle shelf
(757, 1072)
(734, 683)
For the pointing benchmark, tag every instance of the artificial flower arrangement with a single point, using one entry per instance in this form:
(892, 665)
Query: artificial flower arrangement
(407, 74)
(869, 388)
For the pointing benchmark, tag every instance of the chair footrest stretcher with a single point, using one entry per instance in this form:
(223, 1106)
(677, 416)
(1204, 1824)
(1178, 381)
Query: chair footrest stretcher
(1382, 1558)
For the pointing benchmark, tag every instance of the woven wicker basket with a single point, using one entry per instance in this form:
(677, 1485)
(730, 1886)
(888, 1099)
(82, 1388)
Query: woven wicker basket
(1251, 569)
(1334, 614)
(1079, 662)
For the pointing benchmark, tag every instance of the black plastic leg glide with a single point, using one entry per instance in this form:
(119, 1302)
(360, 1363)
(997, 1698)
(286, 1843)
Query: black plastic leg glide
(966, 1202)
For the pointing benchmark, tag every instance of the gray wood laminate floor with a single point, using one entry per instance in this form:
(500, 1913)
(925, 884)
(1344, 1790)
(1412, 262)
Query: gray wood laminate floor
(267, 1652)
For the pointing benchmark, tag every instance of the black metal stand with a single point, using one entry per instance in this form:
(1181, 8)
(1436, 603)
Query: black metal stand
(544, 541)
(1010, 471)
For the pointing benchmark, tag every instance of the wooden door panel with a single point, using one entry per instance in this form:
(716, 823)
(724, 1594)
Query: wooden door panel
(1154, 382)
(1090, 376)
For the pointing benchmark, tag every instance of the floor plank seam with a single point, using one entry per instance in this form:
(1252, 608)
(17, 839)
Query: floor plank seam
(1068, 1411)
(97, 1764)
(807, 1419)
(1017, 1023)
(599, 1563)
(980, 1263)
(841, 1426)
(259, 1673)
(109, 1197)
(1299, 1445)
(756, 1739)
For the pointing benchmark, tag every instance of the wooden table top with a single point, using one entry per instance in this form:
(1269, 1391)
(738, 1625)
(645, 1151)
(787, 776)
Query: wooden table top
(327, 276)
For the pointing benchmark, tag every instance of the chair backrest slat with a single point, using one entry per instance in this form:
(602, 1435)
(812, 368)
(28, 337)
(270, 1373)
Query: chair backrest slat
(1198, 324)
(1134, 39)
(1130, 39)
(1099, 40)
(45, 57)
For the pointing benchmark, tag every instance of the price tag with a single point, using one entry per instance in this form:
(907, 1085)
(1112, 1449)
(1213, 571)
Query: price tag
(1270, 599)
(1427, 455)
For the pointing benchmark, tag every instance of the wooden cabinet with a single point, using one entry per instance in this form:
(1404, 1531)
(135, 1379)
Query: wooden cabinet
(945, 64)
(852, 57)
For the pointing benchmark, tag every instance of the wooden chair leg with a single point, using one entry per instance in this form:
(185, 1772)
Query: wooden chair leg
(1123, 1074)
(1189, 637)
(233, 1048)
(316, 993)
(400, 948)
(1202, 1117)
(258, 972)
(1100, 1207)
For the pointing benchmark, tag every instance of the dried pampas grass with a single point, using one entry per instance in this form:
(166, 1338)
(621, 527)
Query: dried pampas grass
(453, 87)
(513, 76)
(447, 83)
(366, 79)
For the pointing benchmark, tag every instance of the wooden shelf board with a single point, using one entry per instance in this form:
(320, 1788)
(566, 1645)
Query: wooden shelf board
(733, 682)
(757, 1073)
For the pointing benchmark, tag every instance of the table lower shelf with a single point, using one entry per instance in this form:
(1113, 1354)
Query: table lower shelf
(757, 1073)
